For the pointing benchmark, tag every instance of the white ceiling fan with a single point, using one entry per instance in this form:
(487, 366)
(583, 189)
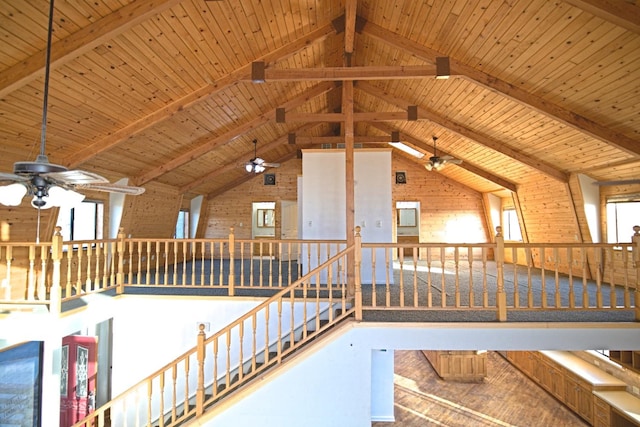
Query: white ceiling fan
(51, 184)
(438, 162)
(257, 165)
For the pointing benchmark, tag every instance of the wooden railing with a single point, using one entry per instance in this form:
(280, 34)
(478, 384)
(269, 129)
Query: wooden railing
(237, 353)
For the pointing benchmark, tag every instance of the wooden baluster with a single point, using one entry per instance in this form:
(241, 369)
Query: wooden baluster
(387, 292)
(625, 270)
(69, 256)
(401, 261)
(373, 278)
(187, 389)
(543, 277)
(200, 352)
(357, 276)
(599, 267)
(585, 275)
(572, 295)
(89, 282)
(141, 255)
(120, 258)
(80, 256)
(529, 255)
(470, 262)
(7, 282)
(429, 282)
(456, 267)
(613, 298)
(175, 245)
(130, 264)
(556, 262)
(148, 256)
(161, 400)
(42, 283)
(443, 302)
(636, 263)
(212, 247)
(501, 295)
(174, 391)
(56, 257)
(241, 350)
(266, 333)
(516, 290)
(415, 275)
(202, 262)
(166, 263)
(216, 349)
(279, 340)
(485, 287)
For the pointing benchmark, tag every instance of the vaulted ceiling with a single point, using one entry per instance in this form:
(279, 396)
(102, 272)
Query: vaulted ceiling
(176, 91)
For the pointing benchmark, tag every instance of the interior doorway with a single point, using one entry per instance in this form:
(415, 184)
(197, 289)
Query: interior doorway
(408, 224)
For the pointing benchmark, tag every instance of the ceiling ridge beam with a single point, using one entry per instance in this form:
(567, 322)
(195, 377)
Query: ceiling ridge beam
(80, 42)
(483, 173)
(121, 135)
(360, 116)
(229, 166)
(488, 142)
(569, 118)
(231, 185)
(208, 143)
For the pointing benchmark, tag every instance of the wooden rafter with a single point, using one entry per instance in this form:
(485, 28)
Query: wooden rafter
(471, 134)
(209, 143)
(81, 42)
(231, 185)
(350, 25)
(421, 145)
(233, 163)
(121, 135)
(620, 12)
(509, 90)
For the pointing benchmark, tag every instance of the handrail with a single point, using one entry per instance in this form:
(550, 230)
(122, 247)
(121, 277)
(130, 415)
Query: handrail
(248, 346)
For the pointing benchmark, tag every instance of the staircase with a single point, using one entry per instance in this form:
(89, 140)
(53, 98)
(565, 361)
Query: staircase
(233, 357)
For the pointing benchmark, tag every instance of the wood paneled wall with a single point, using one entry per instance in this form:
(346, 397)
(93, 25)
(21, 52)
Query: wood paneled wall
(450, 212)
(153, 213)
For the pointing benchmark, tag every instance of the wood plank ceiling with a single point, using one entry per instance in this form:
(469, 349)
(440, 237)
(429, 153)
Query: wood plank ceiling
(166, 91)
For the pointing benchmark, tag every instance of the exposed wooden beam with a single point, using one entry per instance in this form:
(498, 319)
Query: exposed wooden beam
(236, 162)
(471, 134)
(208, 143)
(350, 25)
(464, 165)
(509, 90)
(620, 12)
(121, 135)
(341, 117)
(378, 72)
(231, 185)
(81, 41)
(319, 140)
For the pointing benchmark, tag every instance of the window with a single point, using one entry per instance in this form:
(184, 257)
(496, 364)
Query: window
(510, 225)
(407, 217)
(622, 215)
(182, 225)
(82, 222)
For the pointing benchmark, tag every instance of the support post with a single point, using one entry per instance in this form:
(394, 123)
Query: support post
(55, 298)
(120, 258)
(636, 264)
(200, 356)
(232, 272)
(357, 251)
(501, 295)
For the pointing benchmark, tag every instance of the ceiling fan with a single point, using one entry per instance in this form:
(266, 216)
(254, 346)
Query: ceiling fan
(438, 162)
(51, 184)
(257, 165)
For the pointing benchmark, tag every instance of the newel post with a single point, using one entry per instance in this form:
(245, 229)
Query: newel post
(501, 295)
(232, 270)
(56, 287)
(636, 263)
(357, 252)
(120, 258)
(200, 356)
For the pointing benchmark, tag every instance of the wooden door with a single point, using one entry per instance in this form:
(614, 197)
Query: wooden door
(289, 229)
(77, 378)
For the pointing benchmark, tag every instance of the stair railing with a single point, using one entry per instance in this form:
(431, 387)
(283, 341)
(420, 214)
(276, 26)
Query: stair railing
(238, 353)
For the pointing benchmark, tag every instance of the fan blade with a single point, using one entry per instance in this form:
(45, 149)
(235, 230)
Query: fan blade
(428, 166)
(271, 165)
(12, 177)
(112, 188)
(454, 161)
(76, 177)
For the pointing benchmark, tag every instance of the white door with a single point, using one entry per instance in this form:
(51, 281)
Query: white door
(289, 229)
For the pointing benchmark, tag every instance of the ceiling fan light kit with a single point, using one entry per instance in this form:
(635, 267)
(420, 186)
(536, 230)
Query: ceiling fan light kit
(258, 165)
(48, 183)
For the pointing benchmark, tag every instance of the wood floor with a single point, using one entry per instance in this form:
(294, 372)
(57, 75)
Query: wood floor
(505, 398)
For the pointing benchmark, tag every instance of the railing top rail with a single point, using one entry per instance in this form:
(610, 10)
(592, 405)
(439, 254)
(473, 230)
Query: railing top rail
(272, 240)
(427, 245)
(565, 245)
